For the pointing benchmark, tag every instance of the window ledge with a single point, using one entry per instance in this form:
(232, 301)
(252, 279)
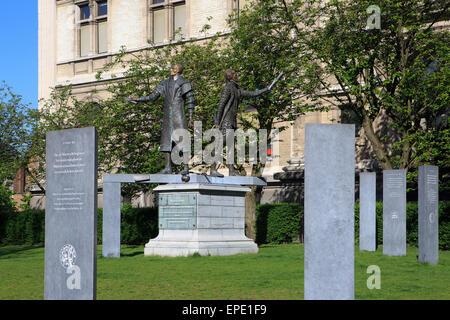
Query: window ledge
(147, 46)
(81, 59)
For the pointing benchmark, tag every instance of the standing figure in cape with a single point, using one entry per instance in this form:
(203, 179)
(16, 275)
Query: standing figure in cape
(177, 93)
(227, 110)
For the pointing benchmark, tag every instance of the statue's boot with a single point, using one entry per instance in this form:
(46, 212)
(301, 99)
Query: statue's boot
(185, 170)
(231, 171)
(168, 168)
(213, 172)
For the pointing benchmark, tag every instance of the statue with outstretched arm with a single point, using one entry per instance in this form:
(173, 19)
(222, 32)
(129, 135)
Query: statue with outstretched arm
(177, 93)
(226, 113)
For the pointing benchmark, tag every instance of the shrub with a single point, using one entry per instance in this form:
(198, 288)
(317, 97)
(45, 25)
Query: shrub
(278, 222)
(444, 236)
(99, 226)
(444, 225)
(412, 224)
(25, 227)
(138, 225)
(6, 210)
(34, 226)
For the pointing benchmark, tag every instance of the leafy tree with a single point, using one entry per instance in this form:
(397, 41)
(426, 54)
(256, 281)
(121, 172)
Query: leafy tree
(260, 47)
(396, 75)
(16, 125)
(63, 110)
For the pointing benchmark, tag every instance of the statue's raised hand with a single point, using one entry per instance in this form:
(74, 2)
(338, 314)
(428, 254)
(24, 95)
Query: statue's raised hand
(275, 81)
(131, 100)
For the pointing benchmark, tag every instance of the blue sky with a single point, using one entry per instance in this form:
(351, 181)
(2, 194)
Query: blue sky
(19, 48)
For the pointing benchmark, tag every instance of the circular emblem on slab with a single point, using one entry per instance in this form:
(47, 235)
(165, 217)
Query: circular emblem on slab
(67, 256)
(431, 217)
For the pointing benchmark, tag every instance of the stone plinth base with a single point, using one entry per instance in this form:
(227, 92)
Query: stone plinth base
(207, 219)
(187, 248)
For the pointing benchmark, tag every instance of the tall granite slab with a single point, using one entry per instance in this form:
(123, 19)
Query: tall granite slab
(394, 212)
(111, 220)
(207, 219)
(329, 261)
(71, 215)
(367, 211)
(428, 214)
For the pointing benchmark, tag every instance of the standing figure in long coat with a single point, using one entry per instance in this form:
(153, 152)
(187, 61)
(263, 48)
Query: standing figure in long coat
(226, 114)
(176, 92)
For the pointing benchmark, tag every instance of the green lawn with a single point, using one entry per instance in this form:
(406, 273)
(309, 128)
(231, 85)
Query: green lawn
(276, 272)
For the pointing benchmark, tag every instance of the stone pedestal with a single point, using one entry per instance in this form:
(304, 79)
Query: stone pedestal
(207, 219)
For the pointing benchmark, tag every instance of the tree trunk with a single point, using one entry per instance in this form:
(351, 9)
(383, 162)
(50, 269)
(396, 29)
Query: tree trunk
(250, 213)
(376, 143)
(252, 199)
(405, 153)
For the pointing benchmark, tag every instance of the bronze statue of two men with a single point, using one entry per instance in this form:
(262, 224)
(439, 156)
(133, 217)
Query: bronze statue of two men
(178, 92)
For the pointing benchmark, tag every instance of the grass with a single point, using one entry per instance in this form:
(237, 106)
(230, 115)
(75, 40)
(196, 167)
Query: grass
(275, 273)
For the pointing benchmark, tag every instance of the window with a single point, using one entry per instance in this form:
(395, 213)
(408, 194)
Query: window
(85, 40)
(159, 25)
(102, 8)
(102, 27)
(179, 21)
(168, 20)
(93, 28)
(102, 36)
(85, 37)
(85, 12)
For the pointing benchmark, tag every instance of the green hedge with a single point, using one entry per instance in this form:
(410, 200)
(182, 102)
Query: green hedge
(6, 210)
(25, 227)
(28, 227)
(282, 222)
(275, 223)
(138, 224)
(278, 222)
